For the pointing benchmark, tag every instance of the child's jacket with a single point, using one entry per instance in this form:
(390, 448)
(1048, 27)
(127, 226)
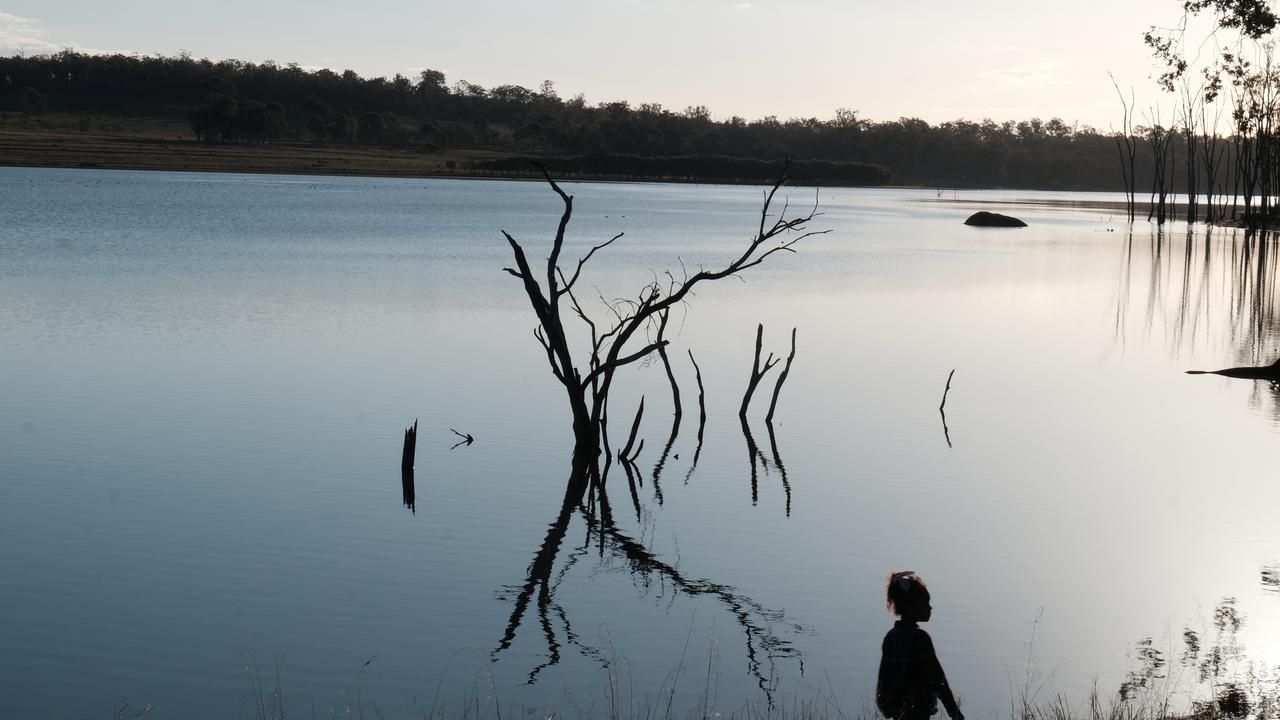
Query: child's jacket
(911, 679)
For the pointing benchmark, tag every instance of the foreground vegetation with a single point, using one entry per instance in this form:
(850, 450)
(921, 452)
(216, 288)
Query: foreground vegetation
(1203, 675)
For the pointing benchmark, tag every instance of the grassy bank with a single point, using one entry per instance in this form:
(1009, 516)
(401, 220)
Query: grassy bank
(131, 150)
(122, 143)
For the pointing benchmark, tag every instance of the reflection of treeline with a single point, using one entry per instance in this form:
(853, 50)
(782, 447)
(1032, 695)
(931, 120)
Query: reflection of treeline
(234, 101)
(702, 167)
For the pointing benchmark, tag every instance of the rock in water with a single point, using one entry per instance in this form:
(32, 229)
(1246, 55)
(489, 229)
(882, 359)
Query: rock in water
(982, 218)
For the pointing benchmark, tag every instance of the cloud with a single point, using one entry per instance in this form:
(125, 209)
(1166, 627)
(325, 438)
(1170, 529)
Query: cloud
(1045, 73)
(18, 34)
(26, 35)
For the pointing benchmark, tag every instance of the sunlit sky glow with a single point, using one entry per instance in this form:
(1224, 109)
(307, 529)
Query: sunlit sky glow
(933, 59)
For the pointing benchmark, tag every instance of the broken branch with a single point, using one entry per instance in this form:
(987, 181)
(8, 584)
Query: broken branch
(786, 370)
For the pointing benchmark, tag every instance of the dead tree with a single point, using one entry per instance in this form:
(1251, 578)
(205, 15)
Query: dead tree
(942, 407)
(410, 446)
(1191, 142)
(625, 453)
(757, 372)
(1213, 149)
(786, 370)
(702, 415)
(1127, 145)
(675, 400)
(587, 377)
(1159, 138)
(678, 410)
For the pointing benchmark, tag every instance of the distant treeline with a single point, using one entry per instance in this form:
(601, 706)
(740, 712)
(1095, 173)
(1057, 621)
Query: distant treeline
(230, 101)
(694, 167)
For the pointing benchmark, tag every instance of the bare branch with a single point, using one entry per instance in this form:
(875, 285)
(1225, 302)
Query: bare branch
(942, 408)
(583, 261)
(777, 389)
(553, 261)
(551, 354)
(757, 373)
(635, 428)
(615, 364)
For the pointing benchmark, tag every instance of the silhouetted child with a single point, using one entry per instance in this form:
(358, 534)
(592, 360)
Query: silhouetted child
(911, 679)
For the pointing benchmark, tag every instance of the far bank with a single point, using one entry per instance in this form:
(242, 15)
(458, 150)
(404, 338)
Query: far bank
(66, 149)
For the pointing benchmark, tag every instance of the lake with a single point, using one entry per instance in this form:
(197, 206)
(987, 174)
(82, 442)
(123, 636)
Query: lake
(204, 381)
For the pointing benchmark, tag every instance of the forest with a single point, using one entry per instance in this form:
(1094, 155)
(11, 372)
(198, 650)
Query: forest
(231, 101)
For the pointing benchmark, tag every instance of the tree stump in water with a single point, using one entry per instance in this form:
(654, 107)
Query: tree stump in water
(410, 446)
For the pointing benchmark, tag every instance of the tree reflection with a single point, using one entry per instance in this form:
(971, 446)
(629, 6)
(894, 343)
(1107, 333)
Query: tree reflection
(761, 627)
(777, 463)
(1206, 289)
(1202, 287)
(407, 489)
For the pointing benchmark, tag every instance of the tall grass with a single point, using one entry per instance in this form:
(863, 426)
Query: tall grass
(1200, 674)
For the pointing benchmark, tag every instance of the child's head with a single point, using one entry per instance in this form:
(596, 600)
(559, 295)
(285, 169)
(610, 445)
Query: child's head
(908, 597)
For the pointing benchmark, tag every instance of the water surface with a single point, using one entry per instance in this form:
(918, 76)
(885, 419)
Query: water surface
(203, 382)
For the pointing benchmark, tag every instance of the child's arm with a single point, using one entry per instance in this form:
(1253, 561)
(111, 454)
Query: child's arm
(938, 683)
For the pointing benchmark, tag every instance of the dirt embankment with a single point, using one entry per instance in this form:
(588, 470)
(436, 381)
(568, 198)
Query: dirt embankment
(76, 150)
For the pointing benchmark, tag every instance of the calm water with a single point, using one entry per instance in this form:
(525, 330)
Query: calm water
(204, 378)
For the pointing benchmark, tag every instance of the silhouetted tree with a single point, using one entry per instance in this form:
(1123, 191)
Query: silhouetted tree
(316, 128)
(32, 102)
(587, 377)
(275, 121)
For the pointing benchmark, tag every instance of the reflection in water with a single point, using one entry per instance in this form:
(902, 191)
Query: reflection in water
(633, 478)
(1204, 290)
(753, 452)
(406, 488)
(756, 460)
(764, 646)
(1207, 661)
(702, 416)
(1218, 281)
(1271, 578)
(777, 462)
(467, 439)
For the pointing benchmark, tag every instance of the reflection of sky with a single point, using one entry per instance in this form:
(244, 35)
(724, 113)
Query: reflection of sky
(205, 380)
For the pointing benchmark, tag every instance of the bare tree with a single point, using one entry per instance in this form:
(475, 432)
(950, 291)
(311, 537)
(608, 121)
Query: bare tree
(587, 377)
(1214, 150)
(1191, 141)
(1159, 138)
(1127, 145)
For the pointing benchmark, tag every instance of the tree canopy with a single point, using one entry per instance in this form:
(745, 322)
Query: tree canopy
(245, 102)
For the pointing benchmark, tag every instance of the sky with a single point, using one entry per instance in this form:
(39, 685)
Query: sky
(932, 59)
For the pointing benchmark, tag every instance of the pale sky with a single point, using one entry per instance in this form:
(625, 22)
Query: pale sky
(933, 59)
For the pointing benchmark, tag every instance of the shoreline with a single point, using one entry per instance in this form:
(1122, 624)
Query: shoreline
(72, 150)
(60, 150)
